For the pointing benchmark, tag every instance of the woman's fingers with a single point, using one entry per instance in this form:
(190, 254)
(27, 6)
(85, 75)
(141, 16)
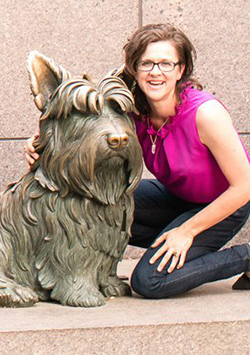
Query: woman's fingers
(182, 259)
(158, 241)
(29, 159)
(174, 262)
(176, 247)
(158, 254)
(175, 258)
(30, 154)
(29, 144)
(35, 156)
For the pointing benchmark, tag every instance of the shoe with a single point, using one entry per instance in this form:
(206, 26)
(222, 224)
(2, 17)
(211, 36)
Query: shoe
(243, 283)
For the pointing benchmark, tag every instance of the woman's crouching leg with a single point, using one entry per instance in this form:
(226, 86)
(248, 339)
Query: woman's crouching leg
(205, 262)
(209, 267)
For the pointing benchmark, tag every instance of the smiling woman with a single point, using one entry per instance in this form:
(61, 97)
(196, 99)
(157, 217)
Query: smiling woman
(200, 197)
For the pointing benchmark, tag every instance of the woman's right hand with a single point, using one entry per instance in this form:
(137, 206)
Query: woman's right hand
(30, 154)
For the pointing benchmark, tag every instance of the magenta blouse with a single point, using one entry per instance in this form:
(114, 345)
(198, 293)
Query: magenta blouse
(181, 162)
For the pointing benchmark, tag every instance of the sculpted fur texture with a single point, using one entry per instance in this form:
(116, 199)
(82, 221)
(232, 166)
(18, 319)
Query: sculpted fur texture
(65, 224)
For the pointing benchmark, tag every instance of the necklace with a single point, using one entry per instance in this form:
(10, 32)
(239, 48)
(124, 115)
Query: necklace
(153, 140)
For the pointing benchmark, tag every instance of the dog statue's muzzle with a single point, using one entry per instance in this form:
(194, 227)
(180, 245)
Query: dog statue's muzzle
(116, 140)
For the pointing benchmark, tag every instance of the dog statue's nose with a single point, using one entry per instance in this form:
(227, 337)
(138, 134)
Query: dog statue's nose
(116, 140)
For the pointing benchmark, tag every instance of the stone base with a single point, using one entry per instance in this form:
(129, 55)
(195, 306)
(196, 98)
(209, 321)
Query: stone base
(213, 319)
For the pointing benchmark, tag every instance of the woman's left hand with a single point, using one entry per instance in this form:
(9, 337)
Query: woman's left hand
(176, 245)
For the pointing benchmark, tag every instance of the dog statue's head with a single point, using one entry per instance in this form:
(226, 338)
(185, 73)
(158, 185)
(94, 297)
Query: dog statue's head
(87, 142)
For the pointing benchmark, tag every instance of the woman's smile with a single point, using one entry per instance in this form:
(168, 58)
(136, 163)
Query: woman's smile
(156, 83)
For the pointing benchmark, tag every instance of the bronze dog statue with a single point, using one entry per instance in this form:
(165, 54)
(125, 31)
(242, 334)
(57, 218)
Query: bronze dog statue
(65, 224)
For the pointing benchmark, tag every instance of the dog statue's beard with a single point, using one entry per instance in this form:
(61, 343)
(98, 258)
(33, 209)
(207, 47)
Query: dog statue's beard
(113, 174)
(99, 172)
(111, 181)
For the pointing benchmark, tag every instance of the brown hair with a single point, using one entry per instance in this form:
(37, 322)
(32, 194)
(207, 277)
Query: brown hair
(137, 45)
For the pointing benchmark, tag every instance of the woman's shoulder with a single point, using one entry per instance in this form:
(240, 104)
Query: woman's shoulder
(191, 94)
(213, 112)
(191, 99)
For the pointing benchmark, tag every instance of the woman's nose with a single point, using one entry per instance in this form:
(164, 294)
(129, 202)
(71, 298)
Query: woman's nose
(155, 69)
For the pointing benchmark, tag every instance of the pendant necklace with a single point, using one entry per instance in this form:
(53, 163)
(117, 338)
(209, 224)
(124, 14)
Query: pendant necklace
(153, 140)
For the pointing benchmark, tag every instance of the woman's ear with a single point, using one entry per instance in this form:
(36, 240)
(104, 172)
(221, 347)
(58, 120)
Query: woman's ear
(181, 71)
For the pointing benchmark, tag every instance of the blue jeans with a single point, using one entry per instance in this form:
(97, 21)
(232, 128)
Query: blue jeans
(157, 211)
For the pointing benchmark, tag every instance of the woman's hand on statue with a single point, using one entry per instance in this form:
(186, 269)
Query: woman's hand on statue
(176, 246)
(30, 154)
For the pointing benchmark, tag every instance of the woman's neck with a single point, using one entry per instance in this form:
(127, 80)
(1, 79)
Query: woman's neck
(160, 111)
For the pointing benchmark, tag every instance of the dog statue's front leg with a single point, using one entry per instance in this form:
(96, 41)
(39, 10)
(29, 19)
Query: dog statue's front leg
(73, 287)
(111, 285)
(115, 288)
(78, 291)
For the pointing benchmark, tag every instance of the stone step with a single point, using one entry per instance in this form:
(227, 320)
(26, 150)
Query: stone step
(213, 319)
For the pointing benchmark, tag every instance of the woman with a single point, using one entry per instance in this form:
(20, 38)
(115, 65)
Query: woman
(200, 199)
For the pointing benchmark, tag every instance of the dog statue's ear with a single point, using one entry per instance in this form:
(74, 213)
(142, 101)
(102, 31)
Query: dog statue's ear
(125, 76)
(44, 77)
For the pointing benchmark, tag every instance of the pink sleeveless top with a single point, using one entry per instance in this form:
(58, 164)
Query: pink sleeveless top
(181, 162)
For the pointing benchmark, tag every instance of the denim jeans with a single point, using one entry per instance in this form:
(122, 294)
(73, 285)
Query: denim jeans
(157, 211)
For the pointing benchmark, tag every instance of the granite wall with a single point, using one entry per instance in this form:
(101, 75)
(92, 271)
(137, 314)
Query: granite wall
(89, 35)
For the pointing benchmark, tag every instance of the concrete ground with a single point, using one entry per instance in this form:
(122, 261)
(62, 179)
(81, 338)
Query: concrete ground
(213, 319)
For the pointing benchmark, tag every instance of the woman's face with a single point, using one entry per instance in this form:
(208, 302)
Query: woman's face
(158, 85)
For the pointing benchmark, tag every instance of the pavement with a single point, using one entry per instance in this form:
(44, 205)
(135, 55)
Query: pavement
(212, 319)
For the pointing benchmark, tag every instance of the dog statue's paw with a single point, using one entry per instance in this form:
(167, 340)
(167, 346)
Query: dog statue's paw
(92, 300)
(14, 295)
(84, 297)
(116, 288)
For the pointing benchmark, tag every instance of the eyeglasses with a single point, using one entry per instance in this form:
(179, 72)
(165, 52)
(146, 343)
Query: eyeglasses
(163, 66)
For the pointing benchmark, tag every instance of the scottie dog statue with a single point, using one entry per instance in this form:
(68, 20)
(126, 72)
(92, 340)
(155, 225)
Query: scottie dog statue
(65, 224)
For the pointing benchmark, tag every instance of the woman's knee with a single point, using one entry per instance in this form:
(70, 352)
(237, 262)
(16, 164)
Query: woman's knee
(145, 282)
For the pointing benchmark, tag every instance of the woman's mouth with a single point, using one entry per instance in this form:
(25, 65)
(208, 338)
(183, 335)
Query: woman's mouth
(155, 83)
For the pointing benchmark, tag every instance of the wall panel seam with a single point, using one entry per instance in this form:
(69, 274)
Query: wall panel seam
(140, 13)
(11, 139)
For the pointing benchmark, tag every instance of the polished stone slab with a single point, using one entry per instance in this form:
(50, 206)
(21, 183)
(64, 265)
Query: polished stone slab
(212, 319)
